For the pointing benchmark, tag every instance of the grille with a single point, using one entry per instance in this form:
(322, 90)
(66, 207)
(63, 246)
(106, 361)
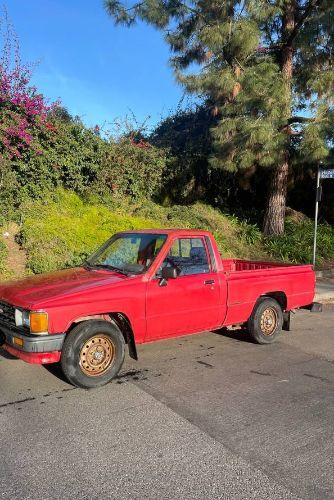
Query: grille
(7, 313)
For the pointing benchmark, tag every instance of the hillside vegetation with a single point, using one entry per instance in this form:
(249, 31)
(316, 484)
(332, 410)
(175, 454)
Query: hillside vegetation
(63, 229)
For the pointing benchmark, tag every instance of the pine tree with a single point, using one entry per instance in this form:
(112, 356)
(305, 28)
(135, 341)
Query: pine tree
(266, 69)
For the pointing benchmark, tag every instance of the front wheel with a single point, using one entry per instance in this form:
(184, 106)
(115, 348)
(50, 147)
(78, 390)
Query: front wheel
(93, 354)
(265, 323)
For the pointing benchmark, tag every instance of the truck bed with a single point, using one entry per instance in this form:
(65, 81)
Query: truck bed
(232, 265)
(292, 285)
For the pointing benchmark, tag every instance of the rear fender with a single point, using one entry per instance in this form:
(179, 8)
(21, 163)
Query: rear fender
(280, 297)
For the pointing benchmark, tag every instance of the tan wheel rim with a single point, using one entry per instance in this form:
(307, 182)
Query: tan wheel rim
(269, 321)
(97, 355)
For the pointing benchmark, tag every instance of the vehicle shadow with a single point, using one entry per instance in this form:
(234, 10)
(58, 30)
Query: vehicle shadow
(56, 371)
(7, 355)
(241, 335)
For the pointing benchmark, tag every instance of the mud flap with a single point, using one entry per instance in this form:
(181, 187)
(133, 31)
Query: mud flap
(314, 307)
(125, 327)
(286, 321)
(132, 347)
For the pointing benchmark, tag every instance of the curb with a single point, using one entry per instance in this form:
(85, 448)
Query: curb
(325, 273)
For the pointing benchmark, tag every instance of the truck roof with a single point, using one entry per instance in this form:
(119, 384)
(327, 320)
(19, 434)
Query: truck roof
(169, 231)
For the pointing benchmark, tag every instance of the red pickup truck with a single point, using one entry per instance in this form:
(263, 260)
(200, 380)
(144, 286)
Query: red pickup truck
(142, 286)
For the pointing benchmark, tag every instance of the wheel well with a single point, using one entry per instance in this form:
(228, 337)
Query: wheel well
(123, 323)
(280, 297)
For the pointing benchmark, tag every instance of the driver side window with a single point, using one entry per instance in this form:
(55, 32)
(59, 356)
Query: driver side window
(189, 256)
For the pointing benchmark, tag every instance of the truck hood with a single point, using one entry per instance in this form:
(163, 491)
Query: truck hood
(28, 292)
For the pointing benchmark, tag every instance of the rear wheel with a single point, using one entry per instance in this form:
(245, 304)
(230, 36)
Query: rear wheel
(265, 323)
(93, 354)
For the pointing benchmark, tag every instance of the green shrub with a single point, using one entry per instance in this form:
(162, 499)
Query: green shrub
(77, 158)
(296, 245)
(3, 256)
(70, 155)
(129, 169)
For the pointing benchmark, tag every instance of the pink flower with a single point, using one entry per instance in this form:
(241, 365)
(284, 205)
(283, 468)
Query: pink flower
(24, 110)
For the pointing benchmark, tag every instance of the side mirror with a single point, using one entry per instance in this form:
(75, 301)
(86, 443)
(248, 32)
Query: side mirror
(169, 273)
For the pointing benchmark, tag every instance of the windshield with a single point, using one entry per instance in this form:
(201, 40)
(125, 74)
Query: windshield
(130, 253)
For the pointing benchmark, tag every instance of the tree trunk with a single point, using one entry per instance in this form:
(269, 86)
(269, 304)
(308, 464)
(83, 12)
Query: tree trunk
(275, 211)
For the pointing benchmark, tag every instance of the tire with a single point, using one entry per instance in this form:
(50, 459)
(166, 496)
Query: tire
(265, 323)
(93, 354)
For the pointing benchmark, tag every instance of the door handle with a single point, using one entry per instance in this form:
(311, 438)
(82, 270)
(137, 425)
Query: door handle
(209, 282)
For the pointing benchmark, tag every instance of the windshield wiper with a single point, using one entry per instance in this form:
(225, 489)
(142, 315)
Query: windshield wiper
(107, 266)
(87, 265)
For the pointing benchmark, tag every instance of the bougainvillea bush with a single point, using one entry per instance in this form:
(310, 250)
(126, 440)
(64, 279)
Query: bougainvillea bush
(24, 118)
(24, 113)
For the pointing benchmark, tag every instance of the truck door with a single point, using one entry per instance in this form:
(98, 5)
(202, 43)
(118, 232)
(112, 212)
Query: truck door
(190, 303)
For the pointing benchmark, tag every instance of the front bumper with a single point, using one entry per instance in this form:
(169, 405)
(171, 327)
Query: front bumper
(34, 348)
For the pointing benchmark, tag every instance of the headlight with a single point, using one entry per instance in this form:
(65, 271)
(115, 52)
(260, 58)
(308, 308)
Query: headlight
(38, 322)
(22, 318)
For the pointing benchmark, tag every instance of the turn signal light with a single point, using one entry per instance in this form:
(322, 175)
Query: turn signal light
(39, 322)
(18, 341)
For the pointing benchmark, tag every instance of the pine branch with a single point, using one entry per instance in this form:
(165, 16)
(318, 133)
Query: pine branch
(134, 7)
(306, 13)
(300, 119)
(111, 4)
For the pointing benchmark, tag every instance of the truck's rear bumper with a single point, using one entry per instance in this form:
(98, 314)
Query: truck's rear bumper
(313, 307)
(31, 348)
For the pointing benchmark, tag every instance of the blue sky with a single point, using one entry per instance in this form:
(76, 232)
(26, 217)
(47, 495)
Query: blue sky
(99, 71)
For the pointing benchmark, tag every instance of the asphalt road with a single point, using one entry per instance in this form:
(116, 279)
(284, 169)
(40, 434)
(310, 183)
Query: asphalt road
(206, 416)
